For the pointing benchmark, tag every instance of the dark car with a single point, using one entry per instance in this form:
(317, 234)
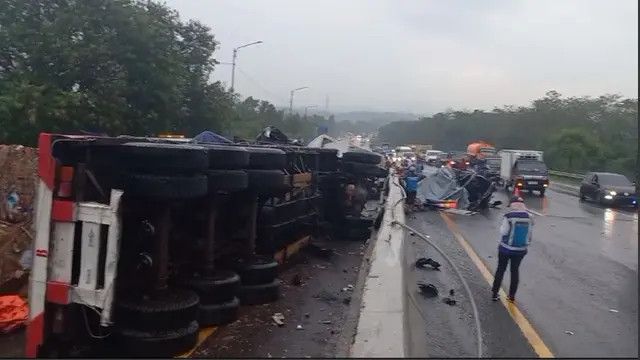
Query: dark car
(608, 189)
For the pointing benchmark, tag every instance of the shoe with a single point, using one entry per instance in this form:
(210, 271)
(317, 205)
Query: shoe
(512, 298)
(495, 297)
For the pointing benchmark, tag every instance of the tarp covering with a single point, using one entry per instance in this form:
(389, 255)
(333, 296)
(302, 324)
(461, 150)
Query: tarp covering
(13, 313)
(209, 137)
(442, 185)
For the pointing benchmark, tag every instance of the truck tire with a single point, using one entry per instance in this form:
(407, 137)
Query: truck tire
(363, 169)
(266, 158)
(219, 314)
(158, 343)
(260, 294)
(223, 286)
(164, 157)
(226, 157)
(362, 157)
(171, 309)
(227, 180)
(174, 187)
(259, 270)
(267, 180)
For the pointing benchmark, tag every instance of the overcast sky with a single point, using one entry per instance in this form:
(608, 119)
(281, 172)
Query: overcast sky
(423, 56)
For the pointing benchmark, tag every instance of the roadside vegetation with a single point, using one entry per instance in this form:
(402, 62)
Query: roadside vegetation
(119, 67)
(577, 134)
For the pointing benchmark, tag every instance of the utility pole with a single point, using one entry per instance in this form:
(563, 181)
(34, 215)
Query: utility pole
(291, 98)
(233, 61)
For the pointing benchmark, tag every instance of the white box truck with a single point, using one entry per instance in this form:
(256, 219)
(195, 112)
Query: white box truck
(524, 169)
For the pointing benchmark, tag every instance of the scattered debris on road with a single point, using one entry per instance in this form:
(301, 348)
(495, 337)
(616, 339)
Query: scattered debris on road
(422, 263)
(428, 290)
(569, 332)
(299, 327)
(449, 301)
(278, 319)
(613, 310)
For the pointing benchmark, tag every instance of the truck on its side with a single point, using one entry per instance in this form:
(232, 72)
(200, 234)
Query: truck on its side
(524, 169)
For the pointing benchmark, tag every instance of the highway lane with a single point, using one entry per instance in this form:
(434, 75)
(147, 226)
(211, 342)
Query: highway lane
(579, 281)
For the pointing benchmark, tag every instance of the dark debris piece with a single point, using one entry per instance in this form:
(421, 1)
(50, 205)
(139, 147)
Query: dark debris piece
(422, 263)
(428, 290)
(449, 301)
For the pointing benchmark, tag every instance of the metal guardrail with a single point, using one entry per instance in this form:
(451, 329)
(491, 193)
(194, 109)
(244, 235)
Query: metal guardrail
(566, 174)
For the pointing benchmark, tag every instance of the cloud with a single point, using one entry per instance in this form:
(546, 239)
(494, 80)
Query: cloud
(424, 56)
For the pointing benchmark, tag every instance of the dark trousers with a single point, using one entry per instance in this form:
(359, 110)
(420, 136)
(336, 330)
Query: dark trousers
(411, 197)
(503, 260)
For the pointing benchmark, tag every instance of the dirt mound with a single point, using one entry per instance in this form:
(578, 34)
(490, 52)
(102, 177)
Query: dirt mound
(18, 176)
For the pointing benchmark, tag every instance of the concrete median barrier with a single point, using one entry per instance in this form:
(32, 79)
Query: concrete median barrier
(382, 329)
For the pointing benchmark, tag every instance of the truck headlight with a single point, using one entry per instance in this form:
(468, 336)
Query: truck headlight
(608, 197)
(613, 193)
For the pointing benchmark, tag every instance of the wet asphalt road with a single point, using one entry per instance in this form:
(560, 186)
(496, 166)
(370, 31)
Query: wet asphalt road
(578, 283)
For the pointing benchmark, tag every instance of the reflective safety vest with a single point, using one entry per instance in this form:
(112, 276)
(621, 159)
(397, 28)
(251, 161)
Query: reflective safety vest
(519, 236)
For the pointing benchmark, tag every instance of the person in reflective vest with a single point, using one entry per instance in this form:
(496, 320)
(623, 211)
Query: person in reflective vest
(515, 237)
(411, 181)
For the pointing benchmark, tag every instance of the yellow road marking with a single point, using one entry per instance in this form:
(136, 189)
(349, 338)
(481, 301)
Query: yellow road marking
(203, 334)
(518, 317)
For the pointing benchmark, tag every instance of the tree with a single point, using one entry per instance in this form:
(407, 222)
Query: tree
(118, 66)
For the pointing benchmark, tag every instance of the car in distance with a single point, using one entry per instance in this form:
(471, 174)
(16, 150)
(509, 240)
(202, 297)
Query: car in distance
(608, 189)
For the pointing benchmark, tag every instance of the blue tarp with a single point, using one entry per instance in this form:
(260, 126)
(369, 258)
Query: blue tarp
(210, 137)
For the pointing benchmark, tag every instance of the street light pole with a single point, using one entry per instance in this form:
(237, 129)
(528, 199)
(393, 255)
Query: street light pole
(291, 98)
(233, 61)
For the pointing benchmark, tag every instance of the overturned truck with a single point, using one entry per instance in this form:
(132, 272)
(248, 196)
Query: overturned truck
(141, 242)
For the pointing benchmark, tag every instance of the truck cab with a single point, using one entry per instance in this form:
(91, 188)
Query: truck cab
(530, 174)
(524, 170)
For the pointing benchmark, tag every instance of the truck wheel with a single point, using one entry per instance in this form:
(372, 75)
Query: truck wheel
(266, 158)
(259, 270)
(158, 343)
(226, 156)
(260, 294)
(267, 180)
(172, 309)
(363, 169)
(221, 287)
(219, 314)
(362, 157)
(227, 180)
(163, 156)
(165, 187)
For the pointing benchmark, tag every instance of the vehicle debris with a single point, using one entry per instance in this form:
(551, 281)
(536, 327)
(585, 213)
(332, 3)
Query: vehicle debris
(449, 301)
(326, 322)
(569, 332)
(296, 280)
(428, 290)
(278, 319)
(422, 263)
(613, 310)
(299, 327)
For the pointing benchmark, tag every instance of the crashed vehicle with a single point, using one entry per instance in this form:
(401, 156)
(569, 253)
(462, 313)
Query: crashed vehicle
(361, 178)
(459, 189)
